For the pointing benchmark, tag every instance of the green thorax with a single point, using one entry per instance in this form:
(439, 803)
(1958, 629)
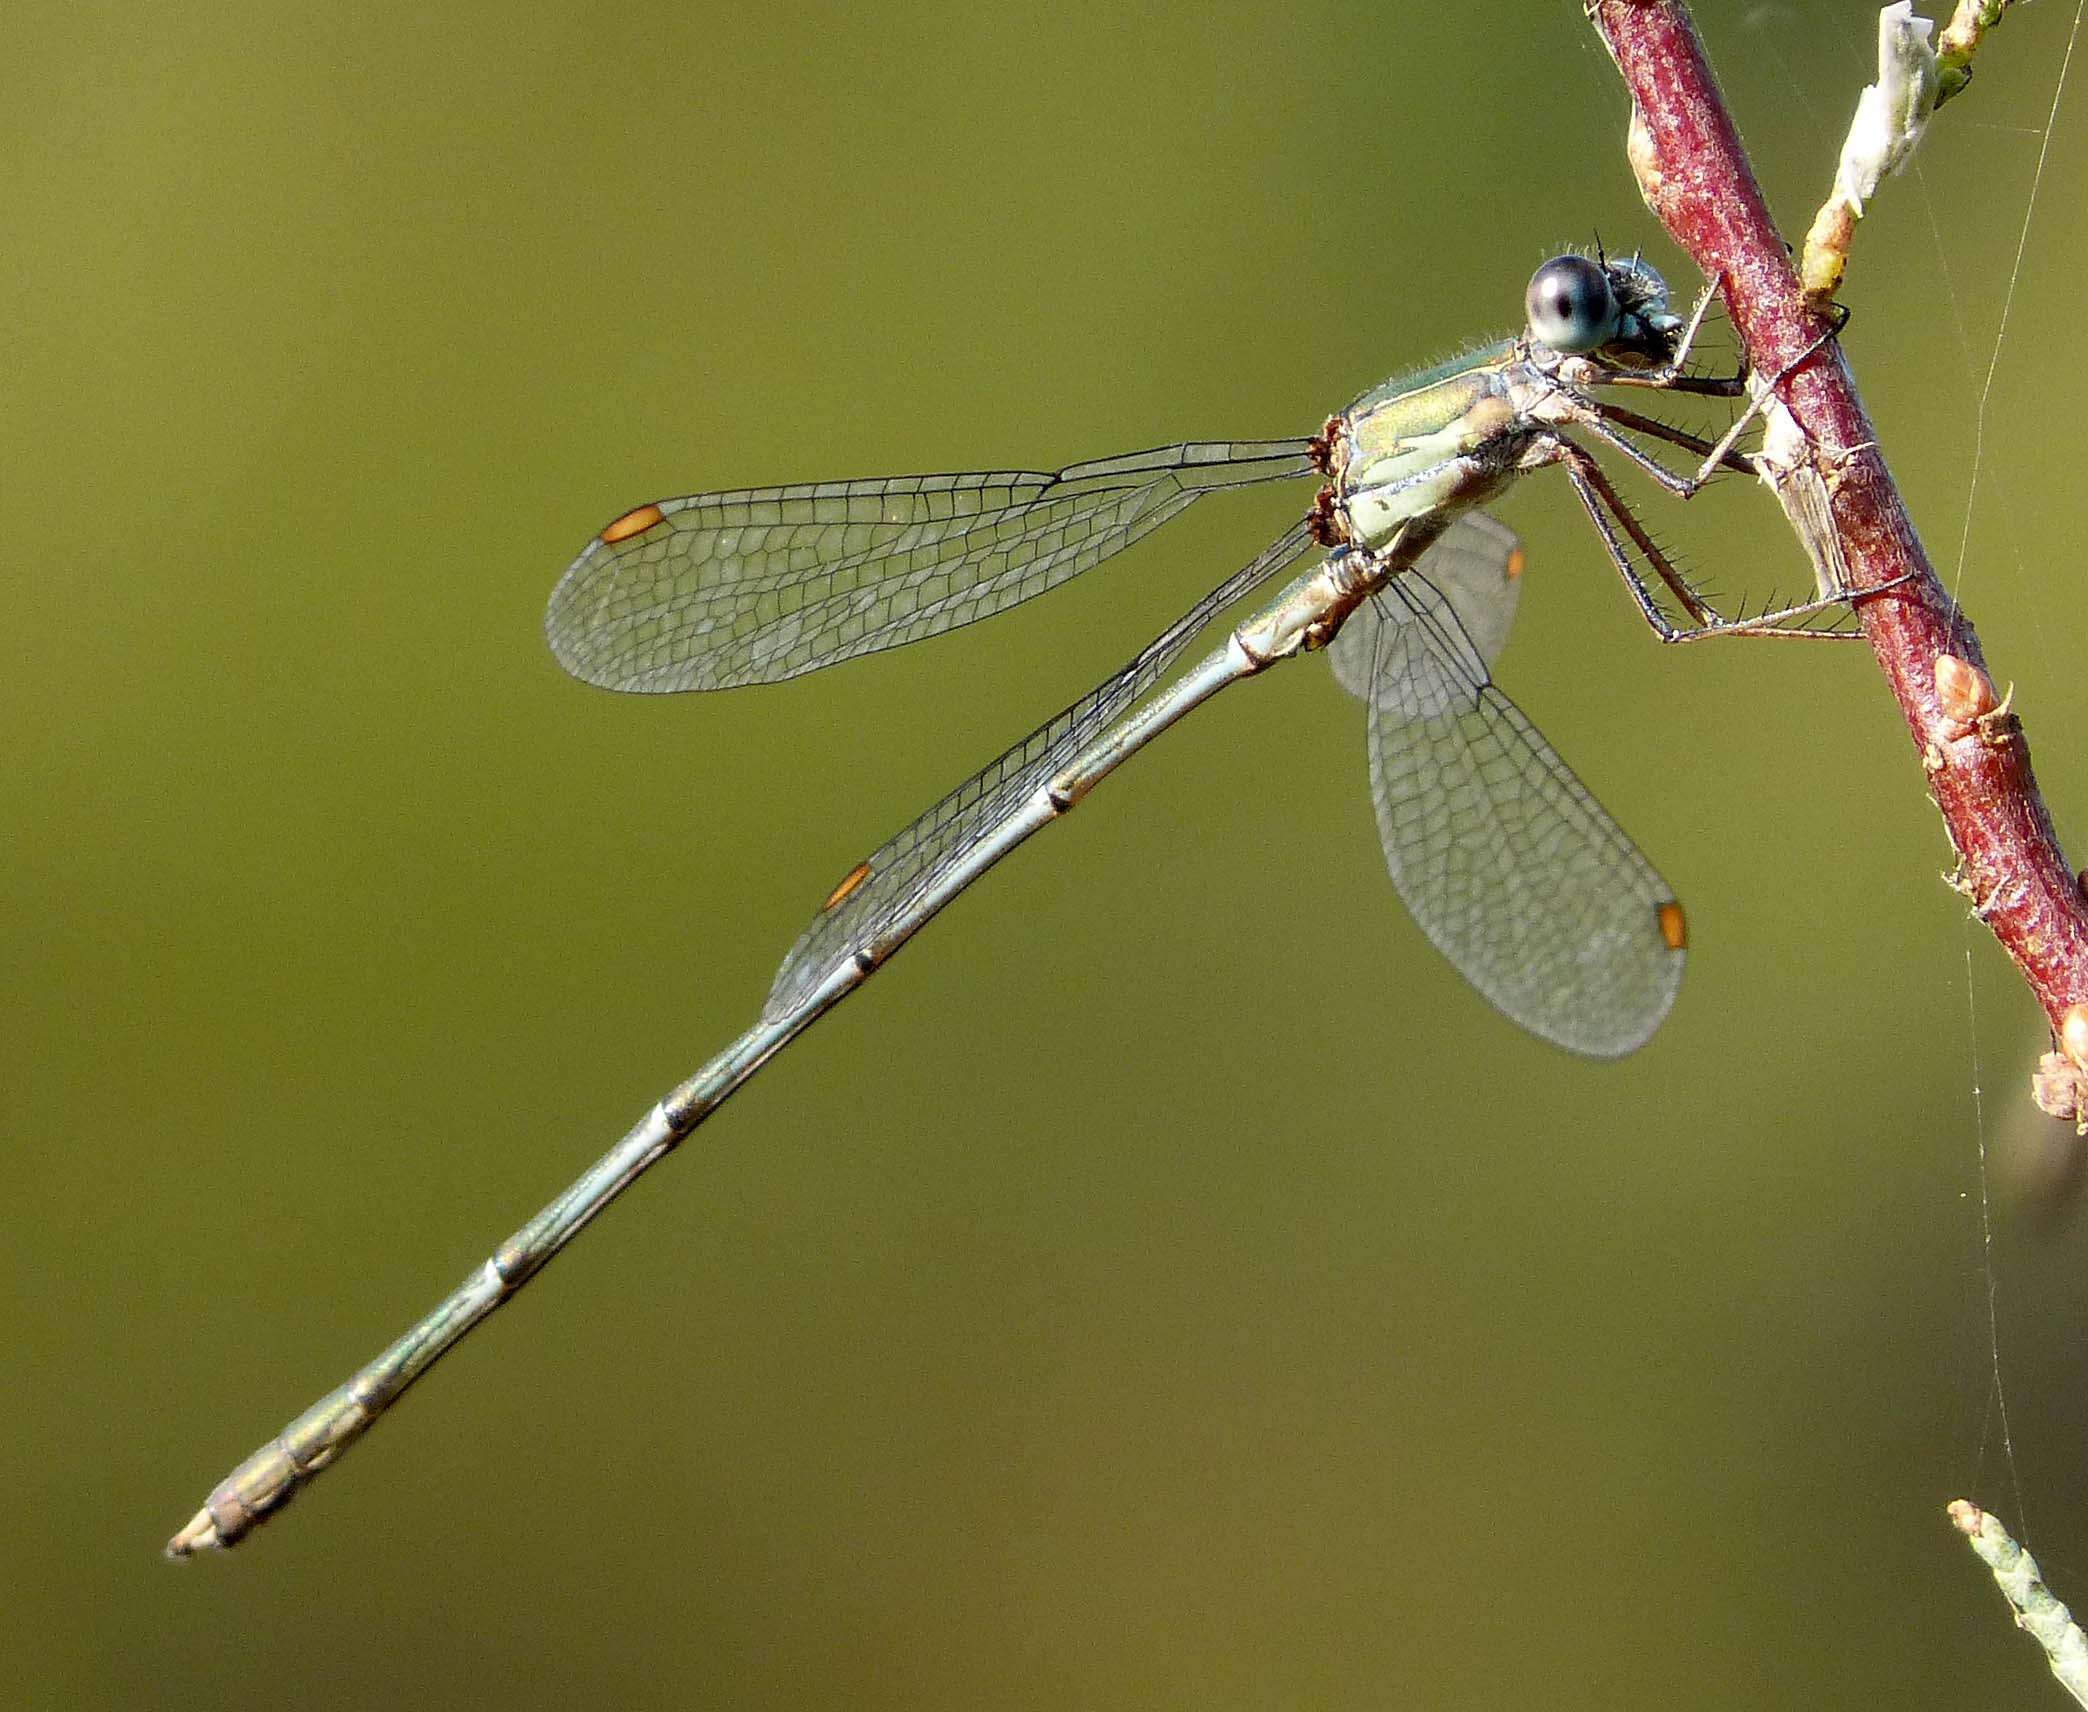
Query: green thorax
(1425, 443)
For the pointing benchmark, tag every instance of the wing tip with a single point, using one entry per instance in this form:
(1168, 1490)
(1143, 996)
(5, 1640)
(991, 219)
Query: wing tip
(1673, 924)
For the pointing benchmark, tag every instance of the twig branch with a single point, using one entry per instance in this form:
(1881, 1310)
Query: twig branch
(1696, 179)
(1959, 42)
(2039, 1612)
(1914, 79)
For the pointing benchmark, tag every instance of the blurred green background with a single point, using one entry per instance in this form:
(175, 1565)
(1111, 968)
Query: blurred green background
(1169, 1286)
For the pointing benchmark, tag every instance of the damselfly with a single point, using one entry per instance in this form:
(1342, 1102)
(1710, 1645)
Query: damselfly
(1507, 862)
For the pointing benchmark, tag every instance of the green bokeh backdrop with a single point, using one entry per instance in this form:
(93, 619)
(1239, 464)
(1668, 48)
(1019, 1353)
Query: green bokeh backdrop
(1168, 1286)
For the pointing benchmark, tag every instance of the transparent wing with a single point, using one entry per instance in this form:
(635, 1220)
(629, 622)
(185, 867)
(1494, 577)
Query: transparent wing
(1510, 866)
(888, 886)
(1476, 565)
(761, 584)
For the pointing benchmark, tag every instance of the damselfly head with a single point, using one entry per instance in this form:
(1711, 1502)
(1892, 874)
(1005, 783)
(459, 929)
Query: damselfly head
(1650, 328)
(1579, 305)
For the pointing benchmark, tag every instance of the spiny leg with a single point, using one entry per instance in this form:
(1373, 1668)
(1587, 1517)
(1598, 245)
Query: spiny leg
(1602, 420)
(1610, 514)
(1715, 455)
(1773, 622)
(1606, 509)
(1617, 416)
(1687, 343)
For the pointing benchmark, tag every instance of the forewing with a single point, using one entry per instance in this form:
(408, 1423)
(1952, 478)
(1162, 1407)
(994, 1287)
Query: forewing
(1513, 870)
(762, 584)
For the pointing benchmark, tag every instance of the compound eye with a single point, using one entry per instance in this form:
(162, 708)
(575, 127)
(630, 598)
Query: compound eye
(1572, 306)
